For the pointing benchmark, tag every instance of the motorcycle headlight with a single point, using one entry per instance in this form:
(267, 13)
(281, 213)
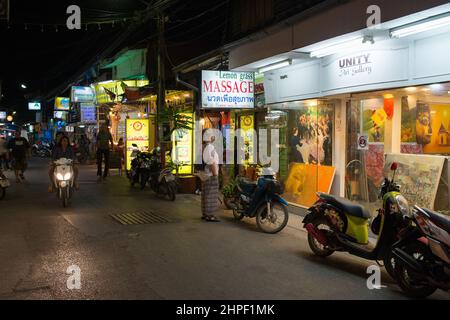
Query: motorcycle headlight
(59, 176)
(403, 206)
(67, 176)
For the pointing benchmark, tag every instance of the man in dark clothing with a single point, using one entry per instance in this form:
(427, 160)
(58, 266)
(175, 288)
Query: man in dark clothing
(20, 148)
(104, 138)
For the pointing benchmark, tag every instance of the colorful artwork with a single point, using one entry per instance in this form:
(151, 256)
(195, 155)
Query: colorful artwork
(373, 119)
(418, 177)
(304, 180)
(311, 135)
(408, 121)
(439, 139)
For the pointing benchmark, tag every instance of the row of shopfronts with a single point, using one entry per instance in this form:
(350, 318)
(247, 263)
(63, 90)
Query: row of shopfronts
(342, 117)
(347, 109)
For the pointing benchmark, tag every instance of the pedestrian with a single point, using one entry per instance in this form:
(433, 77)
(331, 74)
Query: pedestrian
(210, 182)
(4, 158)
(121, 151)
(20, 149)
(104, 138)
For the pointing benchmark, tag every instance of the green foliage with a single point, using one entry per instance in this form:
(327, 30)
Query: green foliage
(229, 189)
(176, 118)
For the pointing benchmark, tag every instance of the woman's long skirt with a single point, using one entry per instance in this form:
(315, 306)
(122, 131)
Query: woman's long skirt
(210, 196)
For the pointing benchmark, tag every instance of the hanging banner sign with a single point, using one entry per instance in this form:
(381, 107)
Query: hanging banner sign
(88, 113)
(82, 94)
(62, 104)
(138, 133)
(228, 90)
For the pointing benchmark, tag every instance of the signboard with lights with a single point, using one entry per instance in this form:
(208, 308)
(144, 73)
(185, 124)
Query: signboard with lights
(88, 113)
(34, 106)
(82, 94)
(62, 103)
(228, 90)
(2, 115)
(137, 132)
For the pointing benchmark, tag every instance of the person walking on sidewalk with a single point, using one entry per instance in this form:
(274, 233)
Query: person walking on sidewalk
(210, 182)
(20, 149)
(104, 138)
(4, 158)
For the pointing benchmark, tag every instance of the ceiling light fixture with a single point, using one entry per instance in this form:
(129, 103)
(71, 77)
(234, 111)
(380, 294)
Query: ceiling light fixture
(428, 24)
(274, 66)
(339, 46)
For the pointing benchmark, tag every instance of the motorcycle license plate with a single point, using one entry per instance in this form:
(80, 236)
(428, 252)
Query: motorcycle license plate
(4, 183)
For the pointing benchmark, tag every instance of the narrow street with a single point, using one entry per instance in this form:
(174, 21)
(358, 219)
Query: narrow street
(185, 258)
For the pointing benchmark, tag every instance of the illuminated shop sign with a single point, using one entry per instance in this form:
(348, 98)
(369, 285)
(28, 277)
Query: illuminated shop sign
(34, 106)
(62, 103)
(137, 132)
(82, 94)
(228, 90)
(88, 113)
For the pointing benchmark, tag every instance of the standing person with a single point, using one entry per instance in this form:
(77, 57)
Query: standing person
(20, 149)
(121, 150)
(104, 138)
(4, 158)
(210, 186)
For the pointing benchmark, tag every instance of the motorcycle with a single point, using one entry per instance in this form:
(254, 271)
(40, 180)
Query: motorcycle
(64, 178)
(422, 255)
(42, 149)
(337, 224)
(4, 184)
(161, 181)
(140, 167)
(261, 200)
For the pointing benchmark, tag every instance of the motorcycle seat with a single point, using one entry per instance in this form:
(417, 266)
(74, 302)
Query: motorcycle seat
(439, 220)
(247, 186)
(353, 209)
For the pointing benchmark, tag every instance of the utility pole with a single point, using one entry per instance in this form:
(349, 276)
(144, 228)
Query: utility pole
(161, 102)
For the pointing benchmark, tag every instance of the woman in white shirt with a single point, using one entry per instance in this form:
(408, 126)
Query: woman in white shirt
(210, 186)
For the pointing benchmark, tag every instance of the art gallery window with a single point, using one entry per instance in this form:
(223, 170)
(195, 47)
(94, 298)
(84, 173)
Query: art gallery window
(410, 126)
(307, 147)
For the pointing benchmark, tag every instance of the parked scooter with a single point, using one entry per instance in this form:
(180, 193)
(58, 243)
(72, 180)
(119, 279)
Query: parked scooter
(140, 167)
(337, 224)
(261, 199)
(162, 181)
(4, 184)
(422, 256)
(42, 150)
(64, 178)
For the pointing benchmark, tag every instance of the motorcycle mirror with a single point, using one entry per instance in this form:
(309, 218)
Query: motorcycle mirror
(134, 145)
(394, 166)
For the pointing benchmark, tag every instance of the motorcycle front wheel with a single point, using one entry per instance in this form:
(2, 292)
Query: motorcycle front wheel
(316, 247)
(414, 285)
(64, 198)
(276, 221)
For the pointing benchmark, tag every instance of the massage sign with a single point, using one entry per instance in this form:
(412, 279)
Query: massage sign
(228, 90)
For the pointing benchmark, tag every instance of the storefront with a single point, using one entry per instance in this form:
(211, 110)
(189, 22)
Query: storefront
(351, 105)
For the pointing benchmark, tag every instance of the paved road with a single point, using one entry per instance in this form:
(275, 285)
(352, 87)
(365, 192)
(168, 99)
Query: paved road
(183, 259)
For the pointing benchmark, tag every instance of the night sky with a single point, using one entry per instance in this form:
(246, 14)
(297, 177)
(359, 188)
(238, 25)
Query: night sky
(34, 53)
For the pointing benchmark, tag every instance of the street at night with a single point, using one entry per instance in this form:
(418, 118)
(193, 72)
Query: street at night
(217, 158)
(181, 259)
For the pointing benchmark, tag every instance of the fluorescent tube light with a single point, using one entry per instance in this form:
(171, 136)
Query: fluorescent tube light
(274, 66)
(338, 46)
(431, 23)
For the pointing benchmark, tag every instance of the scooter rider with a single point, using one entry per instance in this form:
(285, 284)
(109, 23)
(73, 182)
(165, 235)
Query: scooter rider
(62, 150)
